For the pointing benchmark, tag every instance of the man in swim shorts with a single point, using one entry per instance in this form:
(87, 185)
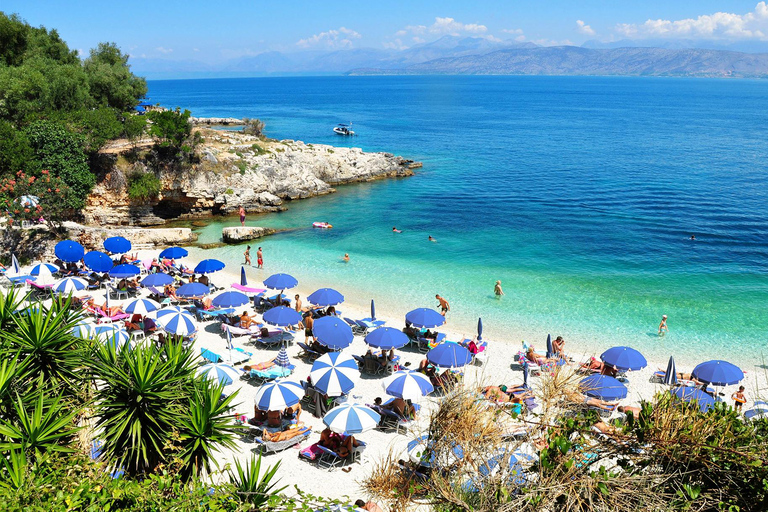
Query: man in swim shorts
(259, 259)
(242, 216)
(444, 306)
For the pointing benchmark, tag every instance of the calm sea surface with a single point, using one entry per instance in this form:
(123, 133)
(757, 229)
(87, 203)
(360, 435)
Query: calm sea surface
(579, 194)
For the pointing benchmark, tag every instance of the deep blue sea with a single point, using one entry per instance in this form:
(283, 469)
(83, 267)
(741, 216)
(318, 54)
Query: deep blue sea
(579, 193)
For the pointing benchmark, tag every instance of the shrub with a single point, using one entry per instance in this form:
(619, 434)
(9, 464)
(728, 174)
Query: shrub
(253, 127)
(258, 150)
(240, 164)
(143, 186)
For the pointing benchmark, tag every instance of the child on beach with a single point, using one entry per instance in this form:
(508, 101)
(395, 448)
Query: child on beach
(663, 329)
(739, 399)
(247, 255)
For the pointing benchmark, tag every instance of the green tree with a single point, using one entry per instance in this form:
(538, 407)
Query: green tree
(172, 127)
(143, 186)
(111, 82)
(134, 127)
(16, 152)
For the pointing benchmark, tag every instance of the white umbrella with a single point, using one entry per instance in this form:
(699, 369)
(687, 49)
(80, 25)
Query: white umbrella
(407, 385)
(334, 373)
(351, 418)
(70, 285)
(278, 395)
(224, 373)
(142, 306)
(177, 322)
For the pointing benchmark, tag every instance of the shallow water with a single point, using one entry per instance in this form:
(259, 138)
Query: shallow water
(579, 193)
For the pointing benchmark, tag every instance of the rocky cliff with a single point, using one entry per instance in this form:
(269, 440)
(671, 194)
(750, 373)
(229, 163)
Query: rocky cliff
(230, 170)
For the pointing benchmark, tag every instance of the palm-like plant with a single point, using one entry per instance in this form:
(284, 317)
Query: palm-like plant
(252, 486)
(139, 401)
(10, 302)
(10, 371)
(206, 426)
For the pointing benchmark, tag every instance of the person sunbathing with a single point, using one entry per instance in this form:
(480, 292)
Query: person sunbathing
(539, 359)
(557, 347)
(609, 370)
(275, 419)
(338, 443)
(626, 409)
(411, 331)
(495, 394)
(578, 398)
(592, 365)
(245, 320)
(207, 303)
(605, 428)
(170, 291)
(284, 435)
(134, 324)
(403, 408)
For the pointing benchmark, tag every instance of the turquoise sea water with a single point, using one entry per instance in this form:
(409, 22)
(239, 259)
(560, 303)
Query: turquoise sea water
(579, 193)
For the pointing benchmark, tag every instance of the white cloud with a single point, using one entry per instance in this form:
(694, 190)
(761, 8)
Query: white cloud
(443, 26)
(164, 50)
(720, 25)
(195, 49)
(513, 31)
(584, 28)
(552, 42)
(339, 38)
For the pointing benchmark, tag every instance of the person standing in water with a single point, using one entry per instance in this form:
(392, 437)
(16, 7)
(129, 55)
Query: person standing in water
(242, 216)
(497, 289)
(663, 329)
(259, 259)
(247, 255)
(444, 306)
(346, 257)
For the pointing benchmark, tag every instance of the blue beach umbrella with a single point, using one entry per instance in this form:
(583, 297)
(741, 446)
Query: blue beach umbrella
(670, 377)
(278, 395)
(282, 358)
(124, 270)
(142, 307)
(117, 245)
(425, 317)
(550, 351)
(408, 385)
(758, 411)
(209, 266)
(334, 373)
(112, 334)
(44, 269)
(243, 279)
(479, 329)
(282, 316)
(449, 355)
(686, 394)
(224, 373)
(603, 387)
(230, 299)
(719, 373)
(177, 322)
(98, 261)
(325, 297)
(351, 418)
(159, 279)
(423, 448)
(15, 267)
(193, 290)
(373, 310)
(332, 332)
(70, 285)
(69, 251)
(386, 338)
(174, 253)
(624, 358)
(82, 330)
(280, 282)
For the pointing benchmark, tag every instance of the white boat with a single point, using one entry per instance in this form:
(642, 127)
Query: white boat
(343, 129)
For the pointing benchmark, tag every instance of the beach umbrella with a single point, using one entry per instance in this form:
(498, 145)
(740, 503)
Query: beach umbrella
(325, 297)
(603, 387)
(550, 351)
(142, 307)
(386, 338)
(624, 358)
(117, 245)
(224, 373)
(209, 266)
(15, 267)
(278, 395)
(159, 279)
(230, 299)
(449, 355)
(43, 269)
(282, 358)
(113, 334)
(373, 310)
(98, 261)
(351, 418)
(334, 373)
(124, 270)
(758, 411)
(719, 373)
(422, 448)
(479, 329)
(687, 394)
(282, 316)
(174, 253)
(526, 371)
(193, 290)
(69, 251)
(332, 332)
(408, 385)
(670, 377)
(170, 310)
(179, 323)
(69, 285)
(82, 330)
(243, 279)
(280, 282)
(425, 317)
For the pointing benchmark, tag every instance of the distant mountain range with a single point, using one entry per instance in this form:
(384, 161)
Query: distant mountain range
(474, 55)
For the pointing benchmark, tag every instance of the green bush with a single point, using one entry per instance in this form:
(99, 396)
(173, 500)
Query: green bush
(253, 127)
(258, 149)
(240, 164)
(143, 186)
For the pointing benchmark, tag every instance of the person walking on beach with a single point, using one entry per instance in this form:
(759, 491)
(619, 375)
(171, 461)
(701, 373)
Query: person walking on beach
(444, 306)
(309, 323)
(298, 303)
(739, 399)
(497, 289)
(247, 255)
(259, 259)
(242, 216)
(663, 329)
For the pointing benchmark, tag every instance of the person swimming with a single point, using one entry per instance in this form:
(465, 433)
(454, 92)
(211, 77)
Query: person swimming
(346, 257)
(693, 237)
(395, 230)
(431, 239)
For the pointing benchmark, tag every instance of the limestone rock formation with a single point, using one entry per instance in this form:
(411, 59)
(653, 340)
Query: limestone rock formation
(237, 234)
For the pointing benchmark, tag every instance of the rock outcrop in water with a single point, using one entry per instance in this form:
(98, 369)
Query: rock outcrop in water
(237, 234)
(233, 170)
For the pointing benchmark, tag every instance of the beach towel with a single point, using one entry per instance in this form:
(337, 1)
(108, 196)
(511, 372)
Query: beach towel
(311, 452)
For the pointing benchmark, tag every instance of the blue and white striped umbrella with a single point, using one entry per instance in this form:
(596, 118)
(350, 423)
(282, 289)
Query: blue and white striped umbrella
(83, 330)
(177, 322)
(334, 373)
(169, 310)
(43, 268)
(278, 394)
(224, 373)
(407, 385)
(113, 334)
(142, 307)
(351, 418)
(70, 285)
(282, 358)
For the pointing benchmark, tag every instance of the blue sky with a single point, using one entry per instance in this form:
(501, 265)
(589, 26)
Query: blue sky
(211, 31)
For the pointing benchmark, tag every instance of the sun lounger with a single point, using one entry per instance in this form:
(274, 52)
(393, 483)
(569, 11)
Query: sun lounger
(103, 318)
(356, 329)
(209, 355)
(255, 329)
(271, 373)
(275, 339)
(331, 460)
(307, 352)
(367, 325)
(237, 355)
(211, 314)
(273, 447)
(248, 289)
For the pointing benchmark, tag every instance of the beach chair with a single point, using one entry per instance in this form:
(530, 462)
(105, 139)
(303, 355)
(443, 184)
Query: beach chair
(273, 340)
(308, 400)
(360, 361)
(307, 352)
(356, 329)
(117, 294)
(367, 326)
(237, 355)
(271, 373)
(266, 447)
(372, 366)
(209, 355)
(331, 460)
(40, 291)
